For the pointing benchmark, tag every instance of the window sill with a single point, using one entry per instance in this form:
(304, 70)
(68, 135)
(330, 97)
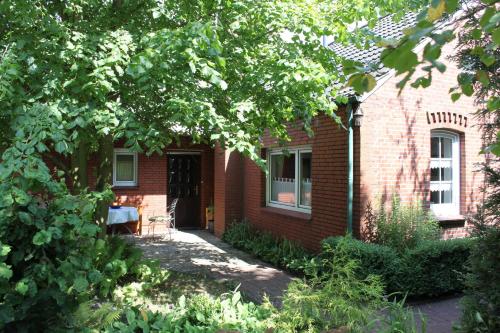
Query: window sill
(134, 187)
(286, 212)
(451, 220)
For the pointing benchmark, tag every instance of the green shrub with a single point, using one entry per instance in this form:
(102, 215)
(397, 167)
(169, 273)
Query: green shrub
(340, 299)
(481, 304)
(373, 259)
(401, 228)
(277, 251)
(432, 268)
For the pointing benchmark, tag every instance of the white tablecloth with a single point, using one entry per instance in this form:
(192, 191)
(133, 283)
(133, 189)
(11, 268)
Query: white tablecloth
(122, 215)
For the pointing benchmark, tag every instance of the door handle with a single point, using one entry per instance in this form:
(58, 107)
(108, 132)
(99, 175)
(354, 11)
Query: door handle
(196, 190)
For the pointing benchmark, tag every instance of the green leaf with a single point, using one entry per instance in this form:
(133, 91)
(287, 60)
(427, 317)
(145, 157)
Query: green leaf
(22, 287)
(482, 77)
(4, 250)
(487, 15)
(25, 218)
(496, 36)
(6, 200)
(42, 237)
(455, 96)
(5, 271)
(61, 147)
(362, 82)
(81, 284)
(130, 317)
(451, 6)
(488, 59)
(21, 197)
(467, 89)
(402, 58)
(432, 51)
(476, 34)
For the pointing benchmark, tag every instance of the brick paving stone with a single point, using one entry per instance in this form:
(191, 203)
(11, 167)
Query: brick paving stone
(200, 252)
(440, 314)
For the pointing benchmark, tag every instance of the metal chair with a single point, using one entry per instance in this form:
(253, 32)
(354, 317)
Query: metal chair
(167, 220)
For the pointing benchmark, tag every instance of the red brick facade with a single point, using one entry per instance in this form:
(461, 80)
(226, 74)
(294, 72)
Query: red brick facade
(152, 186)
(395, 142)
(391, 156)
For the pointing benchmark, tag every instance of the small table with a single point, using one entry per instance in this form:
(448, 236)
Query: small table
(122, 215)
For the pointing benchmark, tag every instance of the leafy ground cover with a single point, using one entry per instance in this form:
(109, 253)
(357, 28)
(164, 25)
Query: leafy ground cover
(339, 301)
(403, 249)
(147, 298)
(263, 245)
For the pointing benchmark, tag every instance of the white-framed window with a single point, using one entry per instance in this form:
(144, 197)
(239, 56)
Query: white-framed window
(445, 173)
(124, 167)
(289, 181)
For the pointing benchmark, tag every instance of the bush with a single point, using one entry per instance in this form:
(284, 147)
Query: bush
(277, 251)
(403, 227)
(481, 304)
(340, 300)
(432, 268)
(373, 259)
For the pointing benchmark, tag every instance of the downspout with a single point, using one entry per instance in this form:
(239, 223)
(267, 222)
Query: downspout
(355, 115)
(350, 167)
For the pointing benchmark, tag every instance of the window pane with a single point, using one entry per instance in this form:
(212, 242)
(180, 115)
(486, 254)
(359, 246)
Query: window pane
(434, 197)
(305, 179)
(125, 168)
(446, 174)
(434, 174)
(434, 147)
(446, 197)
(446, 147)
(283, 178)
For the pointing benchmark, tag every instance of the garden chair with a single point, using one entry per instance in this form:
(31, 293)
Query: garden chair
(167, 220)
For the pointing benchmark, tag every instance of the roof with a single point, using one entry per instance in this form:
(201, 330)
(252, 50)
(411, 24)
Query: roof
(386, 28)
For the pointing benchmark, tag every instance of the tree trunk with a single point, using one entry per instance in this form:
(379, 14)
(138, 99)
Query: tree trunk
(104, 179)
(79, 168)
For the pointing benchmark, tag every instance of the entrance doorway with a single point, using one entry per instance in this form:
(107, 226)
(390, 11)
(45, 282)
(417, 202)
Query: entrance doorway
(184, 184)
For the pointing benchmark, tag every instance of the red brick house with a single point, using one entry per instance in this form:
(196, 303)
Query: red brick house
(419, 145)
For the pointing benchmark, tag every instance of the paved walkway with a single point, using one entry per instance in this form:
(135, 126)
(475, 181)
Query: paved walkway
(440, 314)
(201, 252)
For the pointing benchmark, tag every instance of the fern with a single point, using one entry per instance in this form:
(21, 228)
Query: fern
(94, 315)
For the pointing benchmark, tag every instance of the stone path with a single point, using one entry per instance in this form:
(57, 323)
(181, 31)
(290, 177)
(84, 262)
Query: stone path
(440, 314)
(201, 252)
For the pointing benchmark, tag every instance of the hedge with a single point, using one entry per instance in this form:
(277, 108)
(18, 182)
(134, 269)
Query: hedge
(431, 268)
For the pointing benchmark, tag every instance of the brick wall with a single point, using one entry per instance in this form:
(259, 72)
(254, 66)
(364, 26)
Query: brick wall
(151, 190)
(391, 155)
(329, 194)
(395, 141)
(228, 185)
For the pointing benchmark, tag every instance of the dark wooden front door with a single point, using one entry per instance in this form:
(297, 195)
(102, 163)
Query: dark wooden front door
(184, 184)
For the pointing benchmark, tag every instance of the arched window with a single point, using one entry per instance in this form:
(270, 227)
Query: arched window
(445, 173)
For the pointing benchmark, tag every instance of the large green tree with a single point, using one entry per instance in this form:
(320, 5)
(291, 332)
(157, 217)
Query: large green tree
(76, 76)
(79, 75)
